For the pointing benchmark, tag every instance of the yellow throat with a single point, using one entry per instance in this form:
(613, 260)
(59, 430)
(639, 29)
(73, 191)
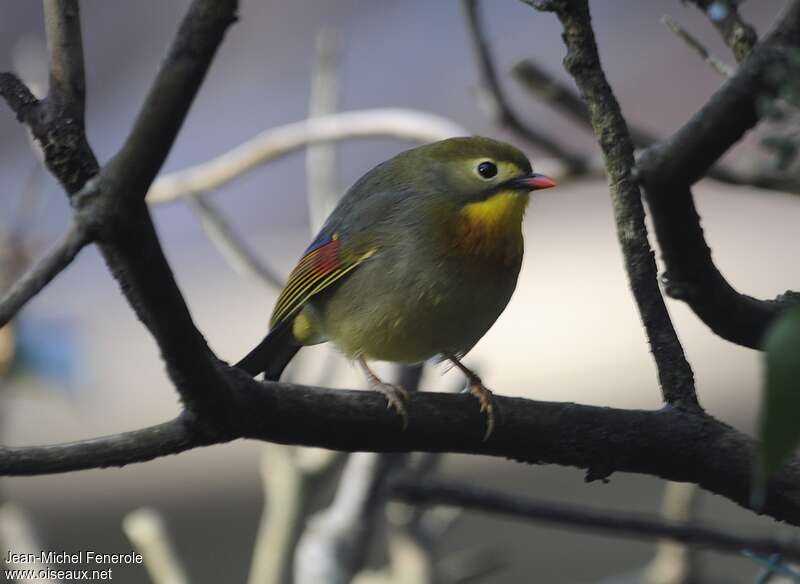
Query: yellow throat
(493, 227)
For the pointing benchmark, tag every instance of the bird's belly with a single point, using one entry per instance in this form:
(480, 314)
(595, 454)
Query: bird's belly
(409, 318)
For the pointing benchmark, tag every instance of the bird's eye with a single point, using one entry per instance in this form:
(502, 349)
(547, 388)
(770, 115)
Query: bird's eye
(487, 169)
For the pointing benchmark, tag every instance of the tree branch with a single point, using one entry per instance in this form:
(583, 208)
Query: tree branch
(334, 546)
(712, 454)
(62, 20)
(114, 205)
(41, 274)
(583, 63)
(57, 122)
(171, 95)
(230, 245)
(640, 527)
(737, 34)
(501, 109)
(563, 98)
(223, 403)
(147, 531)
(712, 61)
(321, 177)
(18, 97)
(273, 143)
(120, 449)
(668, 169)
(57, 128)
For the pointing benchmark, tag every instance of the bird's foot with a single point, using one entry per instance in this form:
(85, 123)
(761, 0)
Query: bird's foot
(396, 395)
(476, 387)
(396, 398)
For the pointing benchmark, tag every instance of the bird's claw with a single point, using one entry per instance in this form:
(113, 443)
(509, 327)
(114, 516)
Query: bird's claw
(396, 397)
(484, 395)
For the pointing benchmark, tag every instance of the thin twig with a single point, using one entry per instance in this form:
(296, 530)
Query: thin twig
(18, 534)
(640, 527)
(65, 43)
(29, 206)
(494, 95)
(583, 63)
(43, 272)
(147, 532)
(276, 142)
(564, 98)
(57, 122)
(284, 494)
(232, 247)
(714, 62)
(740, 36)
(675, 562)
(321, 158)
(334, 546)
(409, 563)
(7, 349)
(290, 477)
(114, 450)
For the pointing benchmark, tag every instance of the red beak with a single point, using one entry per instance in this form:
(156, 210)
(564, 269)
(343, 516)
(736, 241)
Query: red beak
(532, 182)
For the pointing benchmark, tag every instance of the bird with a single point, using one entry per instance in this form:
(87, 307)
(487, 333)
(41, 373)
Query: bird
(416, 262)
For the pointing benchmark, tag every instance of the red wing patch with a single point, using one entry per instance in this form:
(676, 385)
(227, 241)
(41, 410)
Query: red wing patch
(319, 267)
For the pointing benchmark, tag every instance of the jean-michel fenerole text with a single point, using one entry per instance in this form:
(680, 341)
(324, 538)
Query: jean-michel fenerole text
(80, 557)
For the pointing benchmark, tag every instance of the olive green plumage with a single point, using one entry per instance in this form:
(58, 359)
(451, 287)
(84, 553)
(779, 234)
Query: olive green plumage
(418, 259)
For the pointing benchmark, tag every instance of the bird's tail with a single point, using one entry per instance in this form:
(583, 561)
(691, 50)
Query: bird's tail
(272, 355)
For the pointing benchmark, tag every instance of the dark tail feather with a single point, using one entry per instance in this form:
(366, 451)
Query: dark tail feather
(272, 355)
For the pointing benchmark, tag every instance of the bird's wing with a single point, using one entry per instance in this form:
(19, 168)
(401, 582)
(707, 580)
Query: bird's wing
(322, 264)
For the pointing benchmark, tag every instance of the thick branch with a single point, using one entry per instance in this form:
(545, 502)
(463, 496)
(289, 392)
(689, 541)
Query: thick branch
(114, 206)
(225, 403)
(583, 63)
(41, 274)
(668, 169)
(600, 440)
(640, 527)
(137, 261)
(501, 108)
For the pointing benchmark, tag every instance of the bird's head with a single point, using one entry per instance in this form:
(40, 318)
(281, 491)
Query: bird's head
(484, 181)
(475, 169)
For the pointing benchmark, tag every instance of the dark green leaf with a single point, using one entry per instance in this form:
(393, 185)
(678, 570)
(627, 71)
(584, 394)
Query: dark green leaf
(779, 424)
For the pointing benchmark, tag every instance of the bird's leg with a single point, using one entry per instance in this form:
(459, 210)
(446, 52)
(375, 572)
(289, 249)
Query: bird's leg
(396, 396)
(476, 387)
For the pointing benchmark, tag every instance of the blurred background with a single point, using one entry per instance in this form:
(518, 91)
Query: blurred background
(571, 333)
